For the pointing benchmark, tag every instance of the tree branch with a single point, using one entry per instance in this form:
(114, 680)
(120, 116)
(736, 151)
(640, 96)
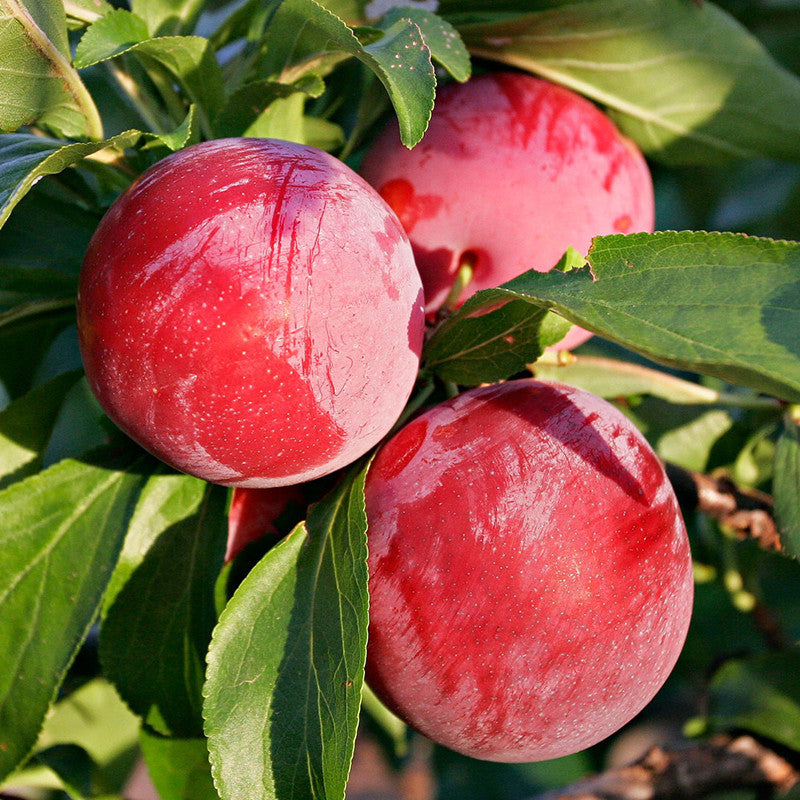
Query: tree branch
(749, 513)
(686, 773)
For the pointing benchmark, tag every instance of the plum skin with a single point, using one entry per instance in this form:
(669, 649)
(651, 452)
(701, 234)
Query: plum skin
(253, 515)
(530, 573)
(250, 312)
(512, 171)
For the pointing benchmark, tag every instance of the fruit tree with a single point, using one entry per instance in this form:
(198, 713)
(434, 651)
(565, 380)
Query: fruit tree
(399, 398)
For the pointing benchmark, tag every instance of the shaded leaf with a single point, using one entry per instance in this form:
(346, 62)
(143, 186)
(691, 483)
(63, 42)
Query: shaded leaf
(179, 768)
(686, 81)
(491, 340)
(37, 81)
(26, 425)
(287, 658)
(19, 285)
(34, 263)
(25, 158)
(251, 100)
(786, 485)
(60, 533)
(73, 765)
(158, 623)
(26, 333)
(760, 695)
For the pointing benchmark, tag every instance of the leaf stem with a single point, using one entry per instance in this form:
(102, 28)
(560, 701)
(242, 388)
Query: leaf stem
(135, 96)
(75, 11)
(656, 382)
(163, 83)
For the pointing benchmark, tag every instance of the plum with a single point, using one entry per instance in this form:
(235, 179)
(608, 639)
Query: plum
(250, 312)
(530, 573)
(512, 171)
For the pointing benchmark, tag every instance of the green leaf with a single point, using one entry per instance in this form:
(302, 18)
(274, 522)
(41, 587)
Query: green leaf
(786, 485)
(60, 533)
(760, 695)
(82, 12)
(165, 17)
(689, 442)
(73, 765)
(179, 768)
(26, 333)
(25, 158)
(189, 59)
(285, 118)
(398, 56)
(156, 630)
(725, 305)
(686, 81)
(96, 720)
(19, 285)
(490, 339)
(94, 717)
(442, 39)
(34, 264)
(26, 425)
(37, 82)
(285, 667)
(252, 100)
(112, 34)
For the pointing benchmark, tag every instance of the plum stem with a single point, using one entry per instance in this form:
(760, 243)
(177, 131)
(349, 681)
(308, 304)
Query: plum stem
(463, 277)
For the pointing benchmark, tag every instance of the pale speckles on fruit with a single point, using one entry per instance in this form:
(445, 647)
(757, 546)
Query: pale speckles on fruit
(518, 579)
(279, 350)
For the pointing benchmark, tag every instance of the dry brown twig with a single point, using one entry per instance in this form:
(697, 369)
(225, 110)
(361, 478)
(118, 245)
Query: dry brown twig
(688, 772)
(747, 512)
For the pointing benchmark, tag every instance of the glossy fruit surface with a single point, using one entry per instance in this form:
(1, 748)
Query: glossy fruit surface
(530, 574)
(250, 312)
(511, 172)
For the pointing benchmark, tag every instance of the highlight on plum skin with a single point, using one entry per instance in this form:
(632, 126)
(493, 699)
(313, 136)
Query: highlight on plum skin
(250, 312)
(530, 573)
(511, 172)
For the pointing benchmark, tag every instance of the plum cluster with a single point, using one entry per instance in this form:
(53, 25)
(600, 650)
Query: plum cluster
(252, 312)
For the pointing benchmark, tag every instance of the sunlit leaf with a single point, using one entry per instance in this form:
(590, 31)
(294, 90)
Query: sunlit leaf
(38, 84)
(684, 79)
(725, 305)
(60, 533)
(287, 659)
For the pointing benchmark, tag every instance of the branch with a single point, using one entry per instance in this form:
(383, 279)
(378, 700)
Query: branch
(685, 773)
(749, 513)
